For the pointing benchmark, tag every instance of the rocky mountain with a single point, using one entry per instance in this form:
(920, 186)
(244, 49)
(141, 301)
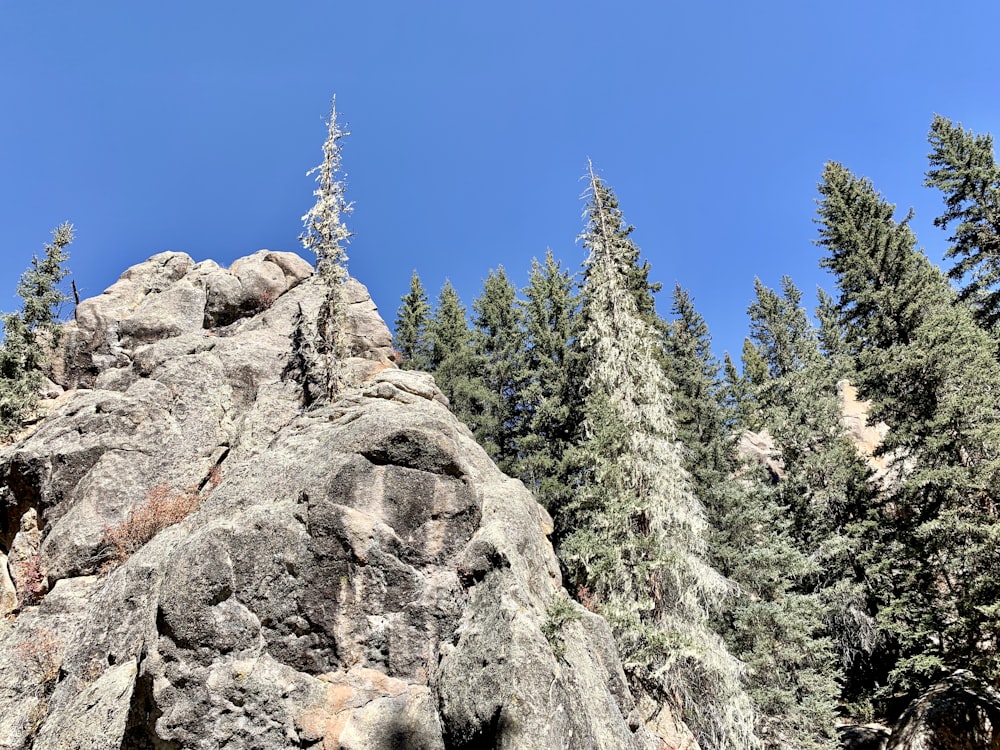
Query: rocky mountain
(191, 559)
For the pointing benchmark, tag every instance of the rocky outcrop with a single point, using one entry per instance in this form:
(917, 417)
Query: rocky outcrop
(958, 713)
(358, 575)
(863, 736)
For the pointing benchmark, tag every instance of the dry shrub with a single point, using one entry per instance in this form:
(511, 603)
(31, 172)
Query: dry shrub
(587, 598)
(264, 298)
(163, 507)
(42, 655)
(32, 583)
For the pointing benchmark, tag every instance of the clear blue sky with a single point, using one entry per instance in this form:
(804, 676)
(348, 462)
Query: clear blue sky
(190, 126)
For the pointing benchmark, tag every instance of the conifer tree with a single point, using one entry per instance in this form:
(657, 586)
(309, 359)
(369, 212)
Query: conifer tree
(326, 234)
(698, 412)
(412, 323)
(29, 333)
(452, 358)
(831, 334)
(638, 541)
(551, 387)
(930, 373)
(792, 688)
(824, 492)
(964, 169)
(498, 345)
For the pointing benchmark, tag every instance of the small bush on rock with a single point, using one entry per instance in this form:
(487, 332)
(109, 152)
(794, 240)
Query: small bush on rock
(559, 612)
(163, 507)
(32, 583)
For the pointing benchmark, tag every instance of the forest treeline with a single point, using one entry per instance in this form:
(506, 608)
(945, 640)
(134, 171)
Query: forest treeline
(763, 607)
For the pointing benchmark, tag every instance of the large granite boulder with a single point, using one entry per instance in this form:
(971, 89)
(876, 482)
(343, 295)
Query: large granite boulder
(957, 713)
(358, 575)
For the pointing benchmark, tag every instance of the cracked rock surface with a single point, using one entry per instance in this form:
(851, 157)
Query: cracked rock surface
(357, 575)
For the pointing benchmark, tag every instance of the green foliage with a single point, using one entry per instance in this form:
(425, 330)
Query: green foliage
(551, 385)
(638, 538)
(452, 357)
(824, 495)
(498, 346)
(412, 322)
(964, 169)
(32, 332)
(931, 374)
(793, 686)
(560, 612)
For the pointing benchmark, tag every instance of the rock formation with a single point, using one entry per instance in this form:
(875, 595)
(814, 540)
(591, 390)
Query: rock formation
(355, 576)
(958, 713)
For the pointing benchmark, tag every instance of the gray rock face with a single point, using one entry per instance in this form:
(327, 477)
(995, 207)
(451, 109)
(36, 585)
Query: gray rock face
(958, 713)
(358, 575)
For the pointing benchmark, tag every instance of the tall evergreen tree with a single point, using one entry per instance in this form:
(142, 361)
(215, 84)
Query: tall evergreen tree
(551, 387)
(326, 234)
(28, 334)
(824, 490)
(964, 169)
(452, 358)
(831, 334)
(638, 542)
(412, 323)
(930, 373)
(498, 344)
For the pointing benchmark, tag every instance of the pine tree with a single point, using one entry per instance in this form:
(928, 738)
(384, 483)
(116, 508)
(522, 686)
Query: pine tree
(824, 492)
(452, 359)
(638, 541)
(792, 688)
(931, 375)
(31, 332)
(964, 169)
(831, 334)
(551, 386)
(412, 323)
(698, 412)
(498, 344)
(326, 234)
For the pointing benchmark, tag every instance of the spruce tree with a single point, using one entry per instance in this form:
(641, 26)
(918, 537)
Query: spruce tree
(638, 541)
(792, 687)
(964, 169)
(824, 491)
(551, 386)
(326, 234)
(930, 374)
(452, 358)
(30, 333)
(412, 324)
(498, 345)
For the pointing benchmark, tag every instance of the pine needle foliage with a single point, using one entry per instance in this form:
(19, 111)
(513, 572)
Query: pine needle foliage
(551, 388)
(638, 542)
(453, 359)
(326, 234)
(412, 322)
(825, 496)
(498, 346)
(963, 167)
(931, 374)
(792, 688)
(30, 334)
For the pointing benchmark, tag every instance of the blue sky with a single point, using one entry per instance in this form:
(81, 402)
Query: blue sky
(190, 126)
